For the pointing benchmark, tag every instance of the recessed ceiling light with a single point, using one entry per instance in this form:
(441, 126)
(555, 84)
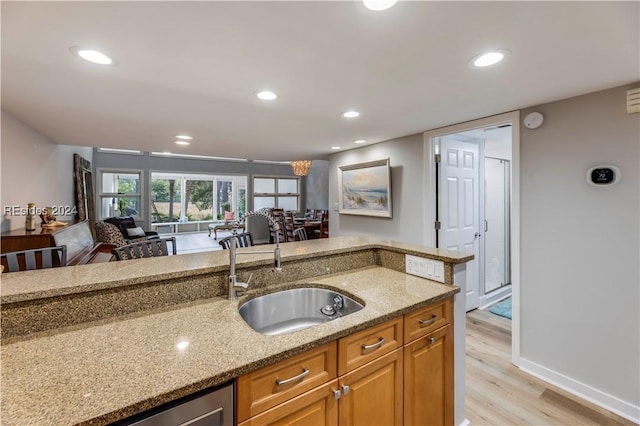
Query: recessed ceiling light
(184, 137)
(267, 95)
(359, 141)
(350, 114)
(487, 59)
(92, 55)
(378, 4)
(335, 148)
(182, 143)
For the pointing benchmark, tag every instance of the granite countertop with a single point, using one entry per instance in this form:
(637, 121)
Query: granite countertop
(102, 371)
(37, 284)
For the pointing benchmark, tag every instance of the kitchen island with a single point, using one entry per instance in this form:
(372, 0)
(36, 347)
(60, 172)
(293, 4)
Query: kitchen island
(97, 368)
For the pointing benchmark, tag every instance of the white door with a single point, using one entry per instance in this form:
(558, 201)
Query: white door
(458, 207)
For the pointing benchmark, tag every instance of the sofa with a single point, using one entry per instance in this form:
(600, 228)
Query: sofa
(129, 230)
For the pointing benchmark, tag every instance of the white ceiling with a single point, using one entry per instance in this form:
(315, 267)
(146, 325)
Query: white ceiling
(193, 67)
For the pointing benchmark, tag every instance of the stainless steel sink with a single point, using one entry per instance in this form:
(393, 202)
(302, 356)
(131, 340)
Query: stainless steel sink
(291, 310)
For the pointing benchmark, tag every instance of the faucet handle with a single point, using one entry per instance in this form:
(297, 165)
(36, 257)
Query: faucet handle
(249, 280)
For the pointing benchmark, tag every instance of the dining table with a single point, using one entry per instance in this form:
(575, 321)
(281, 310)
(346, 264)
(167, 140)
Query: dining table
(309, 225)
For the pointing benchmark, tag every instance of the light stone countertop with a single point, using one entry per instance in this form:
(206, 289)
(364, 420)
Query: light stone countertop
(108, 370)
(31, 285)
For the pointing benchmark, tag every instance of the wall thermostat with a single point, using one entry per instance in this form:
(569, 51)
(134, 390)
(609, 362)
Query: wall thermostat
(603, 175)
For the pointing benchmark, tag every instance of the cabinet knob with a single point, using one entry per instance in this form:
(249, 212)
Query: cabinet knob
(345, 390)
(432, 340)
(336, 393)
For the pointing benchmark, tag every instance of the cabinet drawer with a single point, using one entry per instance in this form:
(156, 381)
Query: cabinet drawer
(271, 385)
(366, 345)
(317, 407)
(425, 320)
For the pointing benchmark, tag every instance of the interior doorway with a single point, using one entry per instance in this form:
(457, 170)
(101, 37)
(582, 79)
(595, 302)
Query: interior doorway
(473, 183)
(493, 233)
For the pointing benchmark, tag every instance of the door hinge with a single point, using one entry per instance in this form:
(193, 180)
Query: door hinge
(437, 225)
(437, 158)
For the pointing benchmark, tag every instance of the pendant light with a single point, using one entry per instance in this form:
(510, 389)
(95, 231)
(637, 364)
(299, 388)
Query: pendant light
(301, 167)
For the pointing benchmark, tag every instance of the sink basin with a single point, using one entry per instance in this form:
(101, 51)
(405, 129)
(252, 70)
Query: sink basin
(291, 310)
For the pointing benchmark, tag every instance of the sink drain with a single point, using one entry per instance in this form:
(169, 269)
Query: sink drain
(328, 310)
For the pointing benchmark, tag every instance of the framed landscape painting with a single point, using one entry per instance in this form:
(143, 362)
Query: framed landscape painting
(365, 189)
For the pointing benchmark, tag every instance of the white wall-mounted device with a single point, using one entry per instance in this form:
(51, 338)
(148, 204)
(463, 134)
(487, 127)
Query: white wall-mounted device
(603, 175)
(533, 120)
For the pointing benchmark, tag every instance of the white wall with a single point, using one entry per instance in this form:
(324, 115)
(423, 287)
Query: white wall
(580, 245)
(407, 187)
(498, 148)
(34, 169)
(580, 325)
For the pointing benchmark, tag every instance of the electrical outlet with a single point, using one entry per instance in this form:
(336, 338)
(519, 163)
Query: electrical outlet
(425, 268)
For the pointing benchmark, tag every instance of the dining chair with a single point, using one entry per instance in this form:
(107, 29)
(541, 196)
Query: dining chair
(300, 234)
(289, 226)
(278, 217)
(142, 249)
(40, 258)
(323, 232)
(319, 213)
(244, 239)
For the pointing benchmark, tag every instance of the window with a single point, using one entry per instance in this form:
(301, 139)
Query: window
(183, 197)
(275, 192)
(120, 193)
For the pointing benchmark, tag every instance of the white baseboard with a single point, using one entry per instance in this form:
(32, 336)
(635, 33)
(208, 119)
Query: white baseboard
(495, 296)
(609, 402)
(465, 423)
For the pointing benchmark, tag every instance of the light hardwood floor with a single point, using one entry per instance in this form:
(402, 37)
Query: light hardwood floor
(500, 394)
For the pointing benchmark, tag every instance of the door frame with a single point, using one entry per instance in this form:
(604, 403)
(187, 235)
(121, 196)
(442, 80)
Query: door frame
(429, 207)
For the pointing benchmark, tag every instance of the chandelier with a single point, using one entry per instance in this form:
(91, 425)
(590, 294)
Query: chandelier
(301, 167)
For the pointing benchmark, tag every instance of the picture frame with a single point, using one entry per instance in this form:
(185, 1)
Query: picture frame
(365, 189)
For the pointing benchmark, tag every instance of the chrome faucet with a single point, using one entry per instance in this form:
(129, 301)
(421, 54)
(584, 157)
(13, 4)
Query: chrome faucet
(234, 284)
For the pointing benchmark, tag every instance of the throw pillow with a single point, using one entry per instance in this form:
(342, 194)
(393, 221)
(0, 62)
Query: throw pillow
(229, 215)
(135, 232)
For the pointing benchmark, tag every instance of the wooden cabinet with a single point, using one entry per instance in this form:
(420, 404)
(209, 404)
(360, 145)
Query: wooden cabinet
(365, 346)
(277, 383)
(428, 372)
(398, 372)
(318, 407)
(372, 394)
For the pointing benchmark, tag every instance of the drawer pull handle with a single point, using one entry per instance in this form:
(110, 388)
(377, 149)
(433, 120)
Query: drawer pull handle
(424, 323)
(373, 345)
(432, 340)
(302, 375)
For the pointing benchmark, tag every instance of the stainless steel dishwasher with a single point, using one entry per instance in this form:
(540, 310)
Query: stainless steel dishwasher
(212, 407)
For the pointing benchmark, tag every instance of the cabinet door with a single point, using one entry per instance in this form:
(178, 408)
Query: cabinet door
(317, 407)
(428, 380)
(372, 394)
